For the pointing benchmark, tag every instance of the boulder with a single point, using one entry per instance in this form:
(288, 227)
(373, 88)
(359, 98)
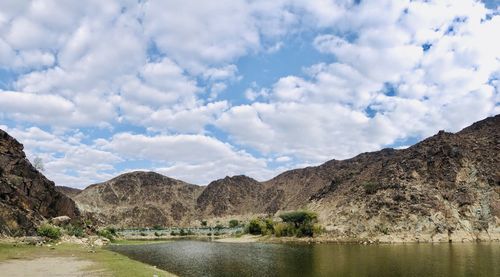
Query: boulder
(60, 220)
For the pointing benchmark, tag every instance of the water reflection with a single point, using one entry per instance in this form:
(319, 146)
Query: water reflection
(196, 258)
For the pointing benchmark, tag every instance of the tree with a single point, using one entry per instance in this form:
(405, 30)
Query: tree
(298, 218)
(233, 223)
(38, 164)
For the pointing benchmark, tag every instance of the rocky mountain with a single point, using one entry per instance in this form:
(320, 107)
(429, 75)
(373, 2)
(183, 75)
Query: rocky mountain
(140, 199)
(230, 196)
(68, 191)
(446, 187)
(26, 196)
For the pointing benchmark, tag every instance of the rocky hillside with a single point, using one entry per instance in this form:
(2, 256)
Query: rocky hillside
(230, 196)
(26, 196)
(445, 187)
(68, 191)
(140, 199)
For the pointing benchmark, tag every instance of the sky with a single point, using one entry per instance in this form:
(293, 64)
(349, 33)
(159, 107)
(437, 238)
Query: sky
(200, 90)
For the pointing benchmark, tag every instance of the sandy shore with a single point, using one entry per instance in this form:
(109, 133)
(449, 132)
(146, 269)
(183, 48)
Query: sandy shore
(242, 239)
(48, 266)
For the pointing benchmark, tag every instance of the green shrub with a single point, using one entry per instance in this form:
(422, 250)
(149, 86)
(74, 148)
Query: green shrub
(182, 232)
(106, 233)
(158, 234)
(318, 229)
(49, 231)
(282, 229)
(218, 227)
(298, 223)
(74, 230)
(204, 223)
(298, 218)
(371, 187)
(255, 227)
(209, 234)
(157, 227)
(233, 223)
(172, 233)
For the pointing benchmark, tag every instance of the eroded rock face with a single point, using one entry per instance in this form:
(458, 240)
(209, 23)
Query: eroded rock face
(26, 196)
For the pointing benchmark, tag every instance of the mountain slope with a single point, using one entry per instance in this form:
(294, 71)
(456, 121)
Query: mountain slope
(68, 191)
(26, 196)
(140, 199)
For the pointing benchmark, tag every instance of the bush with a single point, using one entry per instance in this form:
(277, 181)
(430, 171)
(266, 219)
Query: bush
(282, 230)
(218, 227)
(298, 223)
(107, 233)
(233, 223)
(255, 227)
(157, 227)
(182, 232)
(371, 187)
(209, 234)
(172, 233)
(204, 223)
(49, 231)
(158, 234)
(74, 230)
(298, 218)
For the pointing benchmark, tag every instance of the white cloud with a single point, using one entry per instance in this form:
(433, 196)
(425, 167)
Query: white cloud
(162, 66)
(68, 161)
(195, 158)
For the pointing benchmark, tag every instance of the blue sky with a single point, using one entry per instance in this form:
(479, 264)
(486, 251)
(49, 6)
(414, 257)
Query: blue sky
(198, 91)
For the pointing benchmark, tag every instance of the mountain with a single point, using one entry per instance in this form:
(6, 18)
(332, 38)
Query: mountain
(140, 199)
(26, 196)
(230, 196)
(68, 191)
(446, 187)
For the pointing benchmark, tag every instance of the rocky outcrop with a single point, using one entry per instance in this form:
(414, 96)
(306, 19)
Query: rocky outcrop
(26, 196)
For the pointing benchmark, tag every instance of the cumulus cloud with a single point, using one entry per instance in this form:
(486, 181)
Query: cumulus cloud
(396, 70)
(195, 158)
(67, 159)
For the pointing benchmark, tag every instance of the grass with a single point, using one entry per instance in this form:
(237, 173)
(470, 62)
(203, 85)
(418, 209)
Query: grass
(111, 263)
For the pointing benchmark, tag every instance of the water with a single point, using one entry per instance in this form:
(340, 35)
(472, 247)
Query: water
(198, 258)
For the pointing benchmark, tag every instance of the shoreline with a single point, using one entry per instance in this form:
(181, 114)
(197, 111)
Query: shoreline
(328, 239)
(69, 259)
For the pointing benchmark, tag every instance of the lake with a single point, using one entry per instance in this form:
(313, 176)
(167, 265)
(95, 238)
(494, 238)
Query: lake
(199, 258)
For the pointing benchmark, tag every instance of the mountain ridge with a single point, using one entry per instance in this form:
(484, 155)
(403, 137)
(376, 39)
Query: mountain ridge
(446, 186)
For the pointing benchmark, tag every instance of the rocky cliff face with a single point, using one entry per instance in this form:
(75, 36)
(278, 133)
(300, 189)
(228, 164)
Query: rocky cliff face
(26, 196)
(445, 187)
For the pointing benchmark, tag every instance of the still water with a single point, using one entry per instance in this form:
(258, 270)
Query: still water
(198, 258)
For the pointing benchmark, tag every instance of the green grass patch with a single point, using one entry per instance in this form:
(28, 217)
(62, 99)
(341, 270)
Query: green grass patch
(104, 260)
